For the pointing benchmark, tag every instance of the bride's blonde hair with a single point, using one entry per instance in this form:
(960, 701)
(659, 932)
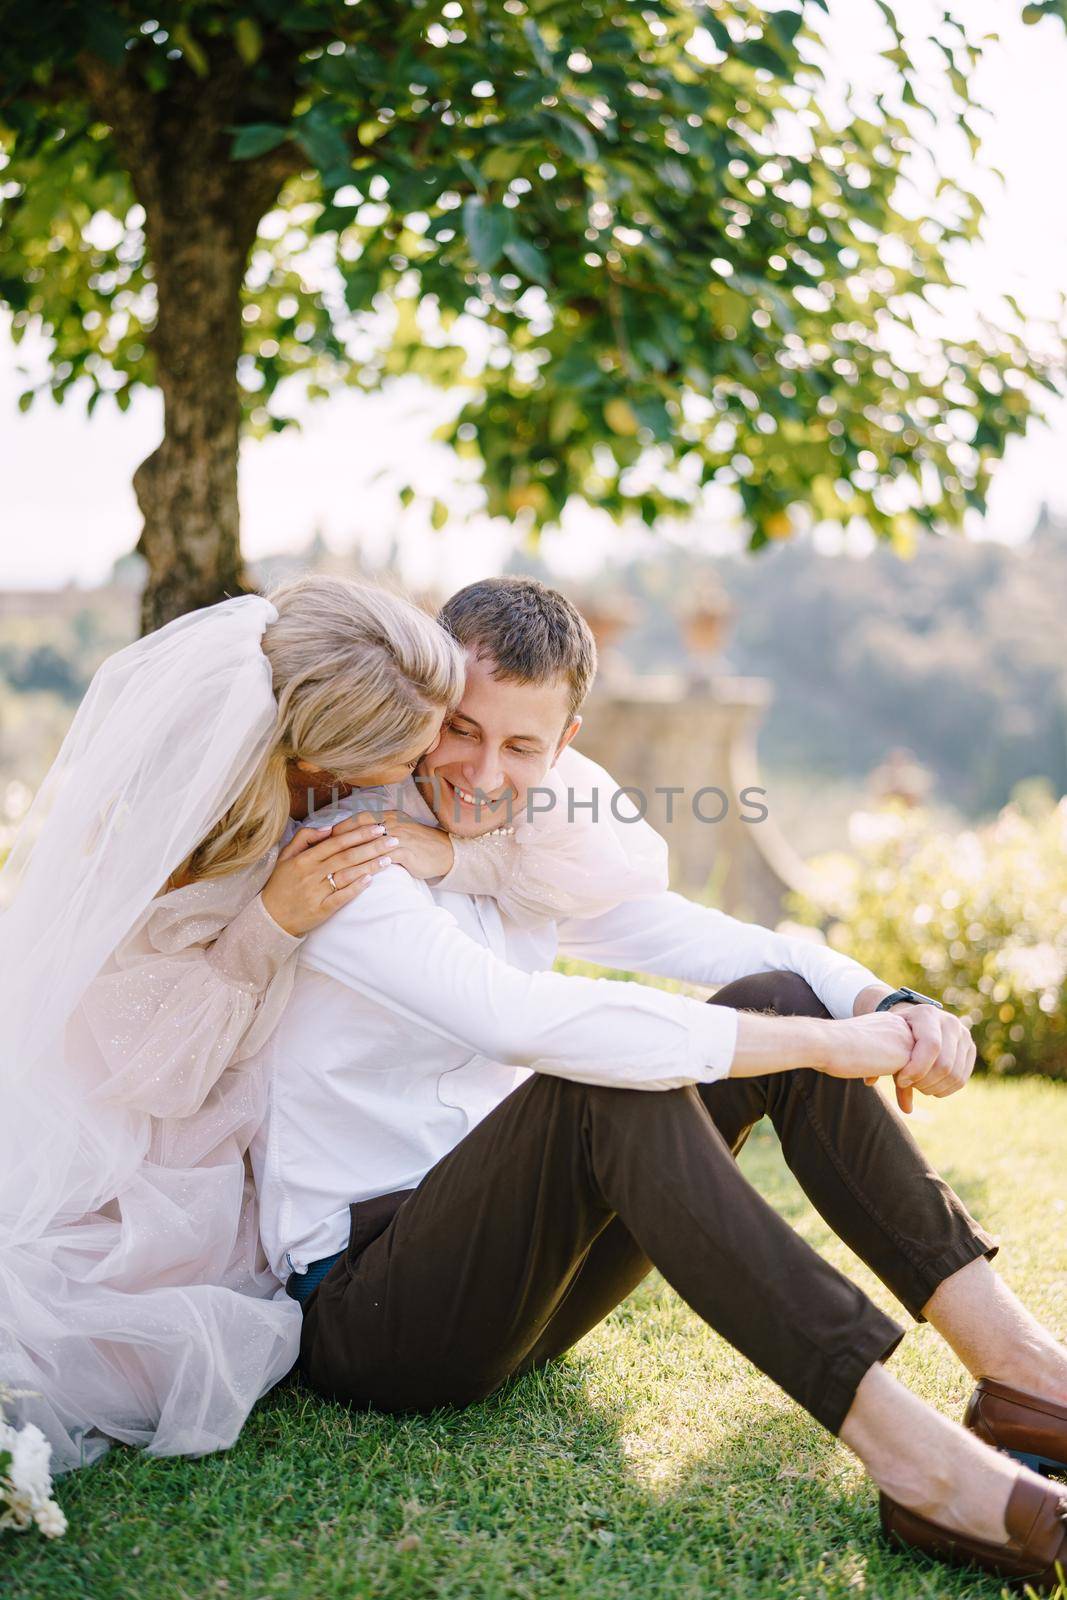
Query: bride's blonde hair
(360, 676)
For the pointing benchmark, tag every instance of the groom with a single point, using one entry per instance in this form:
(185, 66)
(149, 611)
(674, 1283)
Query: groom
(470, 1159)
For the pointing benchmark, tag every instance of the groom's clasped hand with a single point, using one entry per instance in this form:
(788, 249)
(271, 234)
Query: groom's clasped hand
(942, 1054)
(918, 1046)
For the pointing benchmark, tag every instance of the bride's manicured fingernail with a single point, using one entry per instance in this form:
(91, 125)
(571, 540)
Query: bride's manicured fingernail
(384, 861)
(391, 840)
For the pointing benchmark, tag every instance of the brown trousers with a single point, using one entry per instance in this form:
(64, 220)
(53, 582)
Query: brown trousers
(553, 1209)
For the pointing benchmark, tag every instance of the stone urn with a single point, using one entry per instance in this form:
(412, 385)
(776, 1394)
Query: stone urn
(704, 618)
(901, 780)
(610, 618)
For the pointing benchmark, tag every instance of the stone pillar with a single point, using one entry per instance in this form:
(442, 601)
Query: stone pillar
(659, 732)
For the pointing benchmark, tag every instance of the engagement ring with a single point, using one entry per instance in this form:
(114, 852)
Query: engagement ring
(330, 881)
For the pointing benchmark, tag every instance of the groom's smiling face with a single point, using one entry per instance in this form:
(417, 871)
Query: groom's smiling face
(500, 741)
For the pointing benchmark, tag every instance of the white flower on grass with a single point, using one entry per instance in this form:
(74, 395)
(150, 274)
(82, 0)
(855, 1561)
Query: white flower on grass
(50, 1520)
(26, 1481)
(15, 1508)
(30, 1457)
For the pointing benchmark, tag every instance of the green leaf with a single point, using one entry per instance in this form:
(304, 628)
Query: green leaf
(255, 139)
(538, 48)
(577, 370)
(487, 228)
(317, 134)
(758, 53)
(248, 40)
(361, 285)
(786, 24)
(652, 414)
(890, 16)
(719, 33)
(572, 136)
(531, 262)
(191, 50)
(651, 354)
(675, 175)
(438, 515)
(105, 34)
(505, 162)
(472, 173)
(563, 419)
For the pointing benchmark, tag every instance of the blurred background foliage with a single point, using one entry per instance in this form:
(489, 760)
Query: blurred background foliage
(957, 656)
(978, 918)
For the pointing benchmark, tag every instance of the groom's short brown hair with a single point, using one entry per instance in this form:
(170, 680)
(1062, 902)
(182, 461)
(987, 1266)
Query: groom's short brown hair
(530, 632)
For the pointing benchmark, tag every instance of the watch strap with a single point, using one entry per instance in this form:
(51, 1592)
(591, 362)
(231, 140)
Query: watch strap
(909, 997)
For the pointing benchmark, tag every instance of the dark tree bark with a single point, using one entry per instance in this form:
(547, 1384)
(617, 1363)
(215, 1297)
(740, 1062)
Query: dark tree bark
(202, 213)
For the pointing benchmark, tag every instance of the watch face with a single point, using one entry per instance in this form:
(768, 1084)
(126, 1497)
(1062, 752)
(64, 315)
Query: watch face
(922, 999)
(911, 995)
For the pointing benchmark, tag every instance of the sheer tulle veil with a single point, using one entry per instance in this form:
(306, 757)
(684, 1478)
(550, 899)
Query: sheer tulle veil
(168, 734)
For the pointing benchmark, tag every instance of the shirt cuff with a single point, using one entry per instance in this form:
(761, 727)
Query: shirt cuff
(251, 950)
(841, 991)
(712, 1043)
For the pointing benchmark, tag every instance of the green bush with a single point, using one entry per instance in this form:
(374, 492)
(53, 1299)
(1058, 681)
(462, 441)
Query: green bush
(978, 919)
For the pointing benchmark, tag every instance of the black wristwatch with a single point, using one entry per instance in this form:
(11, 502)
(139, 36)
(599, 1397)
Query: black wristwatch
(912, 996)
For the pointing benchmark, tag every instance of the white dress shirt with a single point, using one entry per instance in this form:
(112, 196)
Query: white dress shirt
(416, 1010)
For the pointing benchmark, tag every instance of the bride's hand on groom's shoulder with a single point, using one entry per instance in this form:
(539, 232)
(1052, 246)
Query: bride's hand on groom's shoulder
(425, 851)
(322, 869)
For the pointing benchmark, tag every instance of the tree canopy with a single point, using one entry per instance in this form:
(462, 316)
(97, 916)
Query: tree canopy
(638, 240)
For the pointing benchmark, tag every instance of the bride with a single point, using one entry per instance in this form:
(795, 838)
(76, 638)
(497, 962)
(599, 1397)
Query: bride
(153, 911)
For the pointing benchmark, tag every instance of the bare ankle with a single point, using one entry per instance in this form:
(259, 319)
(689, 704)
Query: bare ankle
(885, 1427)
(994, 1335)
(1037, 1366)
(925, 1462)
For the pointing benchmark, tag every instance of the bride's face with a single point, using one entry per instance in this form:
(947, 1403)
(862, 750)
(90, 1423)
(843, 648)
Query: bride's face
(499, 742)
(312, 788)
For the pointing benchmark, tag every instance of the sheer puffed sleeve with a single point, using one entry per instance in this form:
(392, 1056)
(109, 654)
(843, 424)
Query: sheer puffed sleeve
(196, 986)
(584, 854)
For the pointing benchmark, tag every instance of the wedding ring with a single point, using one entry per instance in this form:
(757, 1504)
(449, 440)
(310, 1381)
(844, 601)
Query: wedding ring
(331, 882)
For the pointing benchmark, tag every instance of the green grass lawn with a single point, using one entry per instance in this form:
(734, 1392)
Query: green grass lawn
(651, 1461)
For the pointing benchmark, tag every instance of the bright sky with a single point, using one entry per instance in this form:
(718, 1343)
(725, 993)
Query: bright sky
(67, 509)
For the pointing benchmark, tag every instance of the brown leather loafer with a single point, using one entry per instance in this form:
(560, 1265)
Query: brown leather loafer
(1036, 1551)
(1026, 1426)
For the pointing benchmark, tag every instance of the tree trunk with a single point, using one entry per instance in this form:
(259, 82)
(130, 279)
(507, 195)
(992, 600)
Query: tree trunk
(202, 213)
(187, 487)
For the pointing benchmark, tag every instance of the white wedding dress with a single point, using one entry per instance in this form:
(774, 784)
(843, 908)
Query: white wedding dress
(135, 1303)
